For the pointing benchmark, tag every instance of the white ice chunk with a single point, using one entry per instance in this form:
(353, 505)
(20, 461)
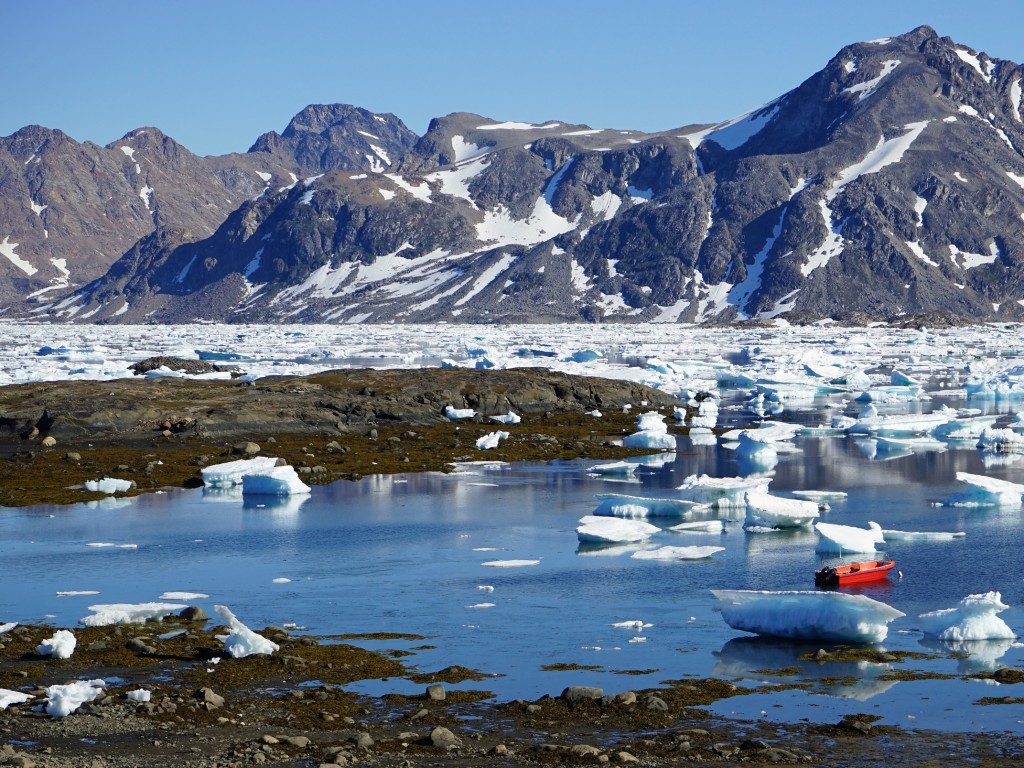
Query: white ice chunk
(613, 530)
(458, 413)
(8, 697)
(242, 641)
(619, 505)
(60, 646)
(1001, 440)
(677, 553)
(973, 619)
(807, 614)
(767, 511)
(985, 491)
(821, 496)
(140, 695)
(108, 485)
(128, 613)
(509, 563)
(891, 535)
(845, 539)
(230, 473)
(507, 418)
(62, 700)
(491, 440)
(721, 491)
(183, 596)
(279, 481)
(636, 625)
(700, 526)
(652, 432)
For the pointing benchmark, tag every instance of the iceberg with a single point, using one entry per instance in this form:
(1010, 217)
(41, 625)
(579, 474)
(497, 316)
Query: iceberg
(846, 539)
(128, 613)
(613, 530)
(242, 641)
(109, 485)
(614, 468)
(700, 526)
(676, 553)
(983, 491)
(721, 491)
(767, 511)
(821, 497)
(807, 615)
(973, 619)
(491, 440)
(652, 432)
(60, 646)
(890, 535)
(869, 422)
(617, 505)
(1001, 440)
(230, 473)
(279, 481)
(62, 700)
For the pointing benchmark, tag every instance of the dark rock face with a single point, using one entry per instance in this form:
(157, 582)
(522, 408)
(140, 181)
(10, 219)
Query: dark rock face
(888, 186)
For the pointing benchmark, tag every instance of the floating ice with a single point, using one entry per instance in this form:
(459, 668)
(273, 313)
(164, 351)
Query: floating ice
(706, 416)
(700, 526)
(964, 427)
(922, 535)
(60, 646)
(242, 641)
(8, 697)
(676, 553)
(458, 413)
(507, 418)
(108, 485)
(767, 511)
(62, 700)
(140, 695)
(128, 613)
(77, 593)
(183, 596)
(613, 530)
(5, 628)
(509, 563)
(230, 473)
(985, 491)
(652, 432)
(898, 424)
(845, 539)
(821, 496)
(614, 468)
(278, 481)
(617, 505)
(636, 625)
(807, 614)
(973, 619)
(721, 491)
(491, 440)
(1001, 440)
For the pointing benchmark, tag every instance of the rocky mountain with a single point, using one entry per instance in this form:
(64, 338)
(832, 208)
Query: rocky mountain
(888, 186)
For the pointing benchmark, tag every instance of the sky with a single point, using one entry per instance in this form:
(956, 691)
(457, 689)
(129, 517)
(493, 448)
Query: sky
(215, 74)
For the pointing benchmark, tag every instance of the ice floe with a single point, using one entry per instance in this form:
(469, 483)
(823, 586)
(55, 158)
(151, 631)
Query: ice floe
(618, 505)
(984, 491)
(109, 485)
(652, 432)
(231, 473)
(278, 481)
(721, 491)
(767, 511)
(974, 618)
(128, 613)
(676, 553)
(807, 615)
(700, 526)
(242, 641)
(613, 530)
(891, 535)
(846, 539)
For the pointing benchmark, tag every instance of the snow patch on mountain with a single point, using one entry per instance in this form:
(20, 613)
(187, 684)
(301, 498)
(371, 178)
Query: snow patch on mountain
(7, 250)
(868, 87)
(972, 59)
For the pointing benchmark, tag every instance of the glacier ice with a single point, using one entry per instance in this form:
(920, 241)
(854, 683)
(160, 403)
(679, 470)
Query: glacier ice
(891, 535)
(507, 418)
(278, 481)
(618, 505)
(1001, 440)
(613, 530)
(721, 491)
(846, 539)
(808, 615)
(652, 432)
(983, 491)
(767, 511)
(230, 473)
(242, 641)
(700, 526)
(62, 700)
(974, 618)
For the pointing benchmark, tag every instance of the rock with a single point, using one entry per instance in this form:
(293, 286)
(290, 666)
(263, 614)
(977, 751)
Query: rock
(362, 740)
(48, 442)
(209, 698)
(193, 613)
(268, 739)
(298, 741)
(442, 738)
(655, 704)
(626, 698)
(420, 714)
(751, 744)
(575, 693)
(1008, 675)
(436, 692)
(245, 449)
(73, 456)
(498, 749)
(625, 757)
(584, 750)
(140, 645)
(822, 654)
(21, 761)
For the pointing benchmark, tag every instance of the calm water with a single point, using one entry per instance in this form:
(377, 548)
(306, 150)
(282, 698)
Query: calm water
(405, 553)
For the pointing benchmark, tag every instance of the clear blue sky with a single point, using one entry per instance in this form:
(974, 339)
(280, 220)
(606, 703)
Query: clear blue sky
(214, 74)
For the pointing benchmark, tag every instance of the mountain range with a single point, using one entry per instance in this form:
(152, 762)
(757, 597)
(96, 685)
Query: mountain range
(887, 187)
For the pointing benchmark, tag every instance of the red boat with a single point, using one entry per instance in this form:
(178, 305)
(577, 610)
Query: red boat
(853, 573)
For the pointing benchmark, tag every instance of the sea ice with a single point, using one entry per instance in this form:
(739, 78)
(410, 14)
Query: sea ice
(821, 496)
(700, 526)
(278, 481)
(183, 596)
(62, 700)
(617, 505)
(846, 539)
(613, 530)
(491, 440)
(60, 646)
(230, 473)
(128, 613)
(807, 614)
(985, 491)
(922, 535)
(109, 485)
(509, 563)
(721, 491)
(8, 697)
(767, 511)
(973, 619)
(652, 432)
(242, 641)
(676, 553)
